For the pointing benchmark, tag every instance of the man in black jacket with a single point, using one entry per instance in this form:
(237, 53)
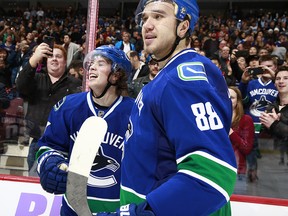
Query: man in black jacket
(43, 90)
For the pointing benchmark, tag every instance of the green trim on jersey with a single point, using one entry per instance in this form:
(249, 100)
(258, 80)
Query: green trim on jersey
(128, 197)
(103, 205)
(196, 165)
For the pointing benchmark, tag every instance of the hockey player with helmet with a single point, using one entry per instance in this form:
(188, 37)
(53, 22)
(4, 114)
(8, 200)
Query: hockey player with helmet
(178, 159)
(108, 68)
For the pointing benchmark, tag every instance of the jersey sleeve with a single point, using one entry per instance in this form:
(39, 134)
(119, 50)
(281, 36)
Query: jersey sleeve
(195, 119)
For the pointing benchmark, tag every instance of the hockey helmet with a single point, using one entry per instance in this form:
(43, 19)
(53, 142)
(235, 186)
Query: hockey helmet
(117, 56)
(182, 8)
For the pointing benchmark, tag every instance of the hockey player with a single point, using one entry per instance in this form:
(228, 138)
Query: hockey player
(107, 67)
(178, 159)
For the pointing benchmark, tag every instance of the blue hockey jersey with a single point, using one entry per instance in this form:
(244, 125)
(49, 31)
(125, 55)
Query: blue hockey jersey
(256, 97)
(64, 122)
(178, 155)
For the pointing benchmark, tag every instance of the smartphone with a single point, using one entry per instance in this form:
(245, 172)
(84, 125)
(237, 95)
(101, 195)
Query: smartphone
(50, 41)
(255, 71)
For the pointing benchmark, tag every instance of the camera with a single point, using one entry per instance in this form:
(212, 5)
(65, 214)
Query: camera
(255, 71)
(50, 41)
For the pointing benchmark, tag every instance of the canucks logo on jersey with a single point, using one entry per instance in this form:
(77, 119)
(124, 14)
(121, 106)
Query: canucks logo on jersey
(192, 71)
(102, 162)
(259, 106)
(59, 104)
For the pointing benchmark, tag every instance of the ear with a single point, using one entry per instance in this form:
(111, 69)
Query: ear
(182, 28)
(114, 77)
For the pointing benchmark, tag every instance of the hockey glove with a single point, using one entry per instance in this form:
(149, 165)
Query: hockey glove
(52, 178)
(142, 209)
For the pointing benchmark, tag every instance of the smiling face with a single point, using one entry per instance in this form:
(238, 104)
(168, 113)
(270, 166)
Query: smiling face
(159, 26)
(281, 82)
(56, 64)
(98, 74)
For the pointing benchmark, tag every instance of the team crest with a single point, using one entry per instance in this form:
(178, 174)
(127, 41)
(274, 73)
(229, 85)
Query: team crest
(259, 106)
(59, 104)
(102, 162)
(192, 71)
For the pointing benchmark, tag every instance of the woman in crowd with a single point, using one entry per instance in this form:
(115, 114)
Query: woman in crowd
(241, 136)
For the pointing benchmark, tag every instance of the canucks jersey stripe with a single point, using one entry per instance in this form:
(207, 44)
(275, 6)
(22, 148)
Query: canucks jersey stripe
(127, 195)
(192, 71)
(100, 205)
(214, 177)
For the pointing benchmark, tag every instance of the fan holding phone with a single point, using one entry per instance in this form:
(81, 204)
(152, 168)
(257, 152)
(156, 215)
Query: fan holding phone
(44, 89)
(258, 91)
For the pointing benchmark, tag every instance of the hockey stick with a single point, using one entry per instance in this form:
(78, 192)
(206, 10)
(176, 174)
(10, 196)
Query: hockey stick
(85, 148)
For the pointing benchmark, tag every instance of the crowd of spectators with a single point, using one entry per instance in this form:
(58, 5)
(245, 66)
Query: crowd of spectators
(213, 36)
(232, 42)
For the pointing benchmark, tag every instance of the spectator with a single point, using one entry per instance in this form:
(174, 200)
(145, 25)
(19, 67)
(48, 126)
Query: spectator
(4, 104)
(80, 54)
(107, 67)
(76, 69)
(221, 45)
(21, 59)
(253, 62)
(224, 58)
(5, 71)
(10, 47)
(195, 43)
(257, 95)
(43, 90)
(253, 51)
(71, 48)
(140, 69)
(125, 43)
(274, 50)
(30, 38)
(210, 46)
(4, 99)
(40, 13)
(242, 137)
(275, 119)
(216, 61)
(262, 52)
(137, 40)
(259, 42)
(136, 85)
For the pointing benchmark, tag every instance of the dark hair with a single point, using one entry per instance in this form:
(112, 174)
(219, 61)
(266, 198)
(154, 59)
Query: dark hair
(121, 83)
(133, 53)
(215, 59)
(281, 68)
(76, 64)
(268, 58)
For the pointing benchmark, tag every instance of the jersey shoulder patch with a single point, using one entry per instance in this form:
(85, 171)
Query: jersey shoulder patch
(192, 71)
(59, 104)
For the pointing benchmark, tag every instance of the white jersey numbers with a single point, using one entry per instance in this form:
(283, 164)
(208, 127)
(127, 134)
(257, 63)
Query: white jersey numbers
(206, 117)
